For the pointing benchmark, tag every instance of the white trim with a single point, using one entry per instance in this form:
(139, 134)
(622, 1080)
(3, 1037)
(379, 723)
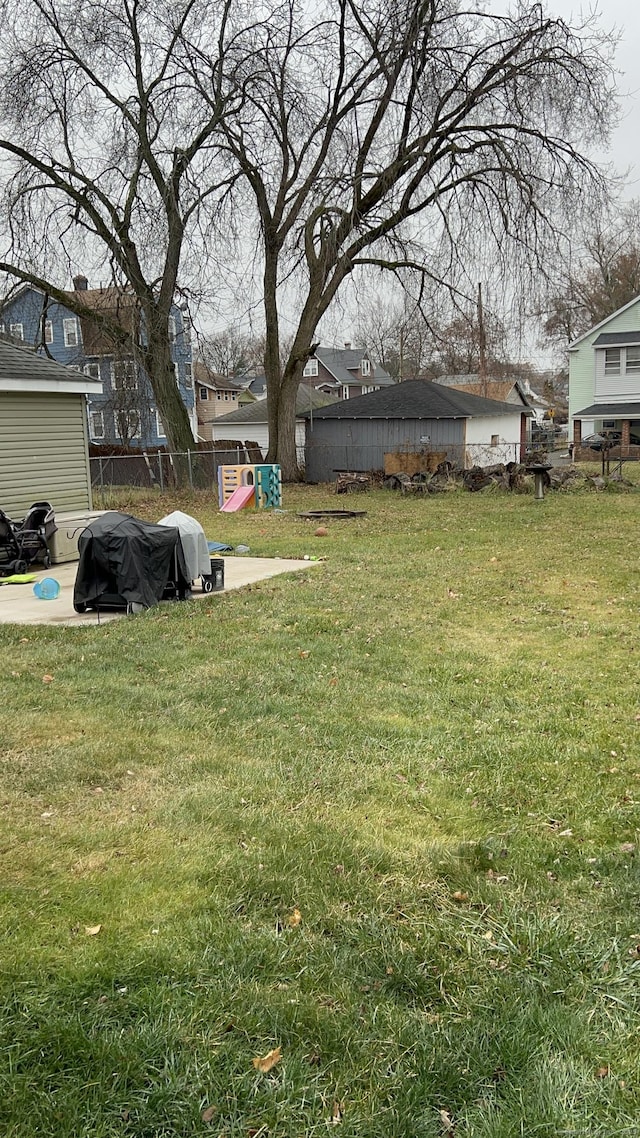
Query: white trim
(14, 333)
(76, 384)
(161, 434)
(308, 369)
(48, 331)
(70, 325)
(95, 434)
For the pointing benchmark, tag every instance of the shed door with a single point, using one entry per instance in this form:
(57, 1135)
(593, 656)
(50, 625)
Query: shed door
(43, 451)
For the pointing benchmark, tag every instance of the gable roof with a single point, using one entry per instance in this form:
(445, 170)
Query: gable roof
(24, 370)
(607, 339)
(418, 399)
(340, 362)
(574, 343)
(308, 399)
(498, 389)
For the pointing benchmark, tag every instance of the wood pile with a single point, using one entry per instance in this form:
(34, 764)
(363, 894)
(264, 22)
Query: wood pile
(352, 483)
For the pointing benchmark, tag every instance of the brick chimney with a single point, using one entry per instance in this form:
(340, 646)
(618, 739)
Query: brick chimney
(80, 284)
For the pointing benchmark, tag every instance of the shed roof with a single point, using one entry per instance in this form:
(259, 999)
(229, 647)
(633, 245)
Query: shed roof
(24, 370)
(418, 399)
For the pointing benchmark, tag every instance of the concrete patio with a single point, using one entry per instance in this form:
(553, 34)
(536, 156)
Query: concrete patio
(19, 605)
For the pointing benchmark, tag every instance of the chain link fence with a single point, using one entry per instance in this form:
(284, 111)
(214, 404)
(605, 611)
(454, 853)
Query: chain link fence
(199, 468)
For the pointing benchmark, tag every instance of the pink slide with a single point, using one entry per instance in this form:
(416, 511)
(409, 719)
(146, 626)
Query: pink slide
(241, 496)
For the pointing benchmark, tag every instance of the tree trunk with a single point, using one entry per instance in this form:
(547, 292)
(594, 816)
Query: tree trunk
(286, 454)
(158, 364)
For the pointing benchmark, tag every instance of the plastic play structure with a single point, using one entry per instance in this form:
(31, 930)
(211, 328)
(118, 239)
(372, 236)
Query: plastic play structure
(251, 484)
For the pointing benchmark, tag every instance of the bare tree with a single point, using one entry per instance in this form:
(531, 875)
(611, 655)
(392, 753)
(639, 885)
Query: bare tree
(606, 276)
(232, 352)
(404, 134)
(107, 158)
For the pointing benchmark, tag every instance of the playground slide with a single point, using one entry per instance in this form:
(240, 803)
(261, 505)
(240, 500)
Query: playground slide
(241, 496)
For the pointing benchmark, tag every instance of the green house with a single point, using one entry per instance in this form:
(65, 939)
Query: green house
(604, 379)
(44, 446)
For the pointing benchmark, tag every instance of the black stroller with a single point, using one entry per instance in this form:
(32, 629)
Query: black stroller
(22, 543)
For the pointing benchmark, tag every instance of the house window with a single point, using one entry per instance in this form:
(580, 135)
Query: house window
(345, 392)
(176, 368)
(632, 365)
(127, 424)
(612, 361)
(48, 332)
(92, 369)
(188, 375)
(204, 394)
(608, 424)
(172, 327)
(124, 375)
(160, 431)
(311, 367)
(96, 424)
(365, 367)
(495, 439)
(186, 327)
(70, 328)
(17, 331)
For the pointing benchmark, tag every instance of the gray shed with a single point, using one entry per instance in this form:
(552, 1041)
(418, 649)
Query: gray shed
(44, 446)
(412, 417)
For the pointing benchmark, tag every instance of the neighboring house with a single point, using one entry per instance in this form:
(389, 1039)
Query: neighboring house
(344, 372)
(604, 378)
(44, 447)
(125, 412)
(250, 423)
(510, 389)
(215, 396)
(417, 416)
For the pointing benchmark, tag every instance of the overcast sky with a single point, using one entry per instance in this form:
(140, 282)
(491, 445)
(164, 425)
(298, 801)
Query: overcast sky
(625, 16)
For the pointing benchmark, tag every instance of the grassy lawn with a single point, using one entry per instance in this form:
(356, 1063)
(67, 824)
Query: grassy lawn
(382, 815)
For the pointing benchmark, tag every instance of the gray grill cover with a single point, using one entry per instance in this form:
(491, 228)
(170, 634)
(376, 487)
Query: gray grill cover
(194, 543)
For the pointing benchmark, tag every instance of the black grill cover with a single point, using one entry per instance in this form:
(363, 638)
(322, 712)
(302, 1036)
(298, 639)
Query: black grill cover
(121, 554)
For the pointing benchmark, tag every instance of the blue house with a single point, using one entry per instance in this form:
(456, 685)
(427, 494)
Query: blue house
(125, 412)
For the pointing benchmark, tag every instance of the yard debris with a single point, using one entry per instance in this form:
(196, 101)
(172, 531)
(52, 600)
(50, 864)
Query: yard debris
(460, 896)
(92, 930)
(337, 1112)
(446, 1121)
(268, 1061)
(209, 1113)
(627, 847)
(294, 919)
(47, 679)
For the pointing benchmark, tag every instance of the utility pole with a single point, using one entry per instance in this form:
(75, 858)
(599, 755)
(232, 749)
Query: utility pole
(482, 344)
(401, 360)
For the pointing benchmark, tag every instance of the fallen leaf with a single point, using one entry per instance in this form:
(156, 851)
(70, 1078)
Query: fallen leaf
(47, 814)
(92, 930)
(627, 847)
(566, 833)
(267, 1061)
(445, 1118)
(337, 1111)
(460, 896)
(47, 679)
(304, 655)
(602, 1072)
(295, 919)
(209, 1113)
(450, 593)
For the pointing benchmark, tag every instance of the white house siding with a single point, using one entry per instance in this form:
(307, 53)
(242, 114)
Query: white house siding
(480, 452)
(614, 388)
(255, 433)
(582, 378)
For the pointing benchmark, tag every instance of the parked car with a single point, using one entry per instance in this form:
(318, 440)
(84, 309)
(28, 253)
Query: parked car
(608, 439)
